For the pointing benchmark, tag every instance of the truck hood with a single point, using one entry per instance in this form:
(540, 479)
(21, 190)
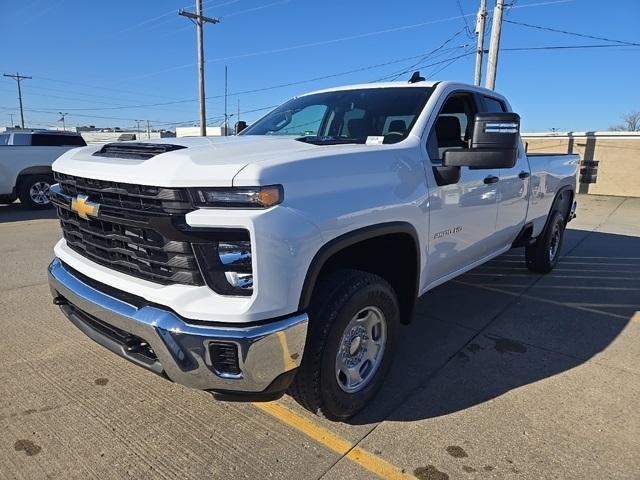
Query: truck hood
(206, 161)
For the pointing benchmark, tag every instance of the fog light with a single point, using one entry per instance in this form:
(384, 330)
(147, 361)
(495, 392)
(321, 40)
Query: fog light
(224, 358)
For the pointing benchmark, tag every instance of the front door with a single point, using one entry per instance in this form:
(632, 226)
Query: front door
(462, 215)
(513, 188)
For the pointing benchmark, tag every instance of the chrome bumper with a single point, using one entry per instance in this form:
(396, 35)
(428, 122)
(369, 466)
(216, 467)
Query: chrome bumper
(182, 351)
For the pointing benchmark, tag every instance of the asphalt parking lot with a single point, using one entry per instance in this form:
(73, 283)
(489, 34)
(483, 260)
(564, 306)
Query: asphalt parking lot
(503, 374)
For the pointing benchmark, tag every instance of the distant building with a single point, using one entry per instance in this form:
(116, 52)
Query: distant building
(195, 131)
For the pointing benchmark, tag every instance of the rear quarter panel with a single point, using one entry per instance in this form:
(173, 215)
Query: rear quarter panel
(549, 173)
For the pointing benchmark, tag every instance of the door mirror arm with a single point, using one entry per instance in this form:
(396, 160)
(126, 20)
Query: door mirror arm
(446, 175)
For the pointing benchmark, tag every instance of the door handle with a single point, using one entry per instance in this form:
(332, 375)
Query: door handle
(523, 175)
(491, 179)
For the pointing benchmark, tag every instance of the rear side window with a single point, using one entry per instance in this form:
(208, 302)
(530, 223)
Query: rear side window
(48, 140)
(22, 139)
(4, 139)
(493, 105)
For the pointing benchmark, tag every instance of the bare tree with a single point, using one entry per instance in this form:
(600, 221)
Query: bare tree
(631, 123)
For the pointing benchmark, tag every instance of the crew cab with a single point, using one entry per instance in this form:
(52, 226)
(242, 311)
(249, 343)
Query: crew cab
(26, 157)
(287, 258)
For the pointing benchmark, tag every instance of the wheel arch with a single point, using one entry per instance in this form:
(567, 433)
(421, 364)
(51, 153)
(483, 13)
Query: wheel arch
(35, 170)
(352, 249)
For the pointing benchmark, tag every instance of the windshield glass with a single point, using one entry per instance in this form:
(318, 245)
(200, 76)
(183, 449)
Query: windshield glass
(346, 116)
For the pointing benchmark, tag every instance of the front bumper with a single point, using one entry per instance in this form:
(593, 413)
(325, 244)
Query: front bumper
(160, 340)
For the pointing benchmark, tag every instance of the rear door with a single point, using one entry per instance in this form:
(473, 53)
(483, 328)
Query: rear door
(513, 187)
(462, 215)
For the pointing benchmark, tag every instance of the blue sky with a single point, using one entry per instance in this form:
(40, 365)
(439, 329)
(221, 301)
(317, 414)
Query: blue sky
(88, 57)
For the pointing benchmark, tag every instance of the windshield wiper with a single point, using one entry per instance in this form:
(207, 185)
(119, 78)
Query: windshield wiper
(328, 140)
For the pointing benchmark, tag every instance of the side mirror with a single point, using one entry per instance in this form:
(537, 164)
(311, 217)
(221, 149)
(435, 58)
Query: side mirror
(494, 144)
(240, 126)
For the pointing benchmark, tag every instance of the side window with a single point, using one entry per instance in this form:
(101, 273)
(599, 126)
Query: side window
(22, 139)
(4, 139)
(493, 105)
(453, 127)
(56, 140)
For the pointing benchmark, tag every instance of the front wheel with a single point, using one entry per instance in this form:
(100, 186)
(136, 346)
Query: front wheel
(350, 344)
(543, 255)
(34, 191)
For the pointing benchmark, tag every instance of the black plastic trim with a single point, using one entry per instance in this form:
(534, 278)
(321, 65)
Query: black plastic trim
(351, 238)
(135, 150)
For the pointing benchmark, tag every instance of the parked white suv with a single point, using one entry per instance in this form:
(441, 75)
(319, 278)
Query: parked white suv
(288, 257)
(26, 157)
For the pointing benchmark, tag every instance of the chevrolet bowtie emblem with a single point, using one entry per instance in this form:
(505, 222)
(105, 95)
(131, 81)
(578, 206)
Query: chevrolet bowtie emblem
(83, 207)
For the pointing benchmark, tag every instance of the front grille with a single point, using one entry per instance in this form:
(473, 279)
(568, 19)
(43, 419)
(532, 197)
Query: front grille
(136, 231)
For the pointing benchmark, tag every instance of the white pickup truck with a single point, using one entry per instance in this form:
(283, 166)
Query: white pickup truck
(288, 257)
(26, 157)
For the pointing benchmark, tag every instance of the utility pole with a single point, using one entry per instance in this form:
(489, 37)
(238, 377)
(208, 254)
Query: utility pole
(11, 119)
(148, 131)
(481, 21)
(225, 100)
(137, 126)
(17, 77)
(64, 127)
(494, 47)
(199, 19)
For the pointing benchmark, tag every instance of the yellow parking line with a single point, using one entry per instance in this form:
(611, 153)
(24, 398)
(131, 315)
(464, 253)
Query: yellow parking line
(333, 442)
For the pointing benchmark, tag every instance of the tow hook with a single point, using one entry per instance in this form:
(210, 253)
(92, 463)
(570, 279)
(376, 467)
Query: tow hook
(60, 300)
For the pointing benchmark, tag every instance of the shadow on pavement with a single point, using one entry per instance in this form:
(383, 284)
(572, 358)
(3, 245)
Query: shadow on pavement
(16, 212)
(499, 327)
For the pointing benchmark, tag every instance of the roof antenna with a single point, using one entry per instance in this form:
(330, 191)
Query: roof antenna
(415, 78)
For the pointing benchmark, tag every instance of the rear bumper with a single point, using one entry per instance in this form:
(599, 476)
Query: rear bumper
(161, 341)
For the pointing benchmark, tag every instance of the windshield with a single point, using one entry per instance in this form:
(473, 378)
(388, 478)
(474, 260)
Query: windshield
(347, 116)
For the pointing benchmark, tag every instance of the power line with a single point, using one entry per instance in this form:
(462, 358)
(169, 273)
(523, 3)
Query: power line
(332, 41)
(303, 45)
(248, 10)
(563, 47)
(272, 87)
(464, 18)
(429, 54)
(575, 34)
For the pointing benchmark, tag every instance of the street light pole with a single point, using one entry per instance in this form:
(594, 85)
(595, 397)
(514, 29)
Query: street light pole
(64, 127)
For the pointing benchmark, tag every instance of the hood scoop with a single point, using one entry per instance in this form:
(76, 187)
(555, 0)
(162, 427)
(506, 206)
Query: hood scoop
(136, 150)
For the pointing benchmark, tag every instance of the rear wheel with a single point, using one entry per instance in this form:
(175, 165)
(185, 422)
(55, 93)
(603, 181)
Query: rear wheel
(34, 190)
(350, 344)
(543, 255)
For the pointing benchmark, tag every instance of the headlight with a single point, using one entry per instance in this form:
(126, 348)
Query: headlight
(241, 197)
(227, 265)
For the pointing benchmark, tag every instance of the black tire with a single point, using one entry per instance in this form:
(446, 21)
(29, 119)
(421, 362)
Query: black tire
(37, 182)
(337, 299)
(543, 255)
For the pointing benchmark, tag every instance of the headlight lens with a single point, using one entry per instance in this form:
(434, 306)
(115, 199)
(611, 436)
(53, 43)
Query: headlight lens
(241, 197)
(227, 266)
